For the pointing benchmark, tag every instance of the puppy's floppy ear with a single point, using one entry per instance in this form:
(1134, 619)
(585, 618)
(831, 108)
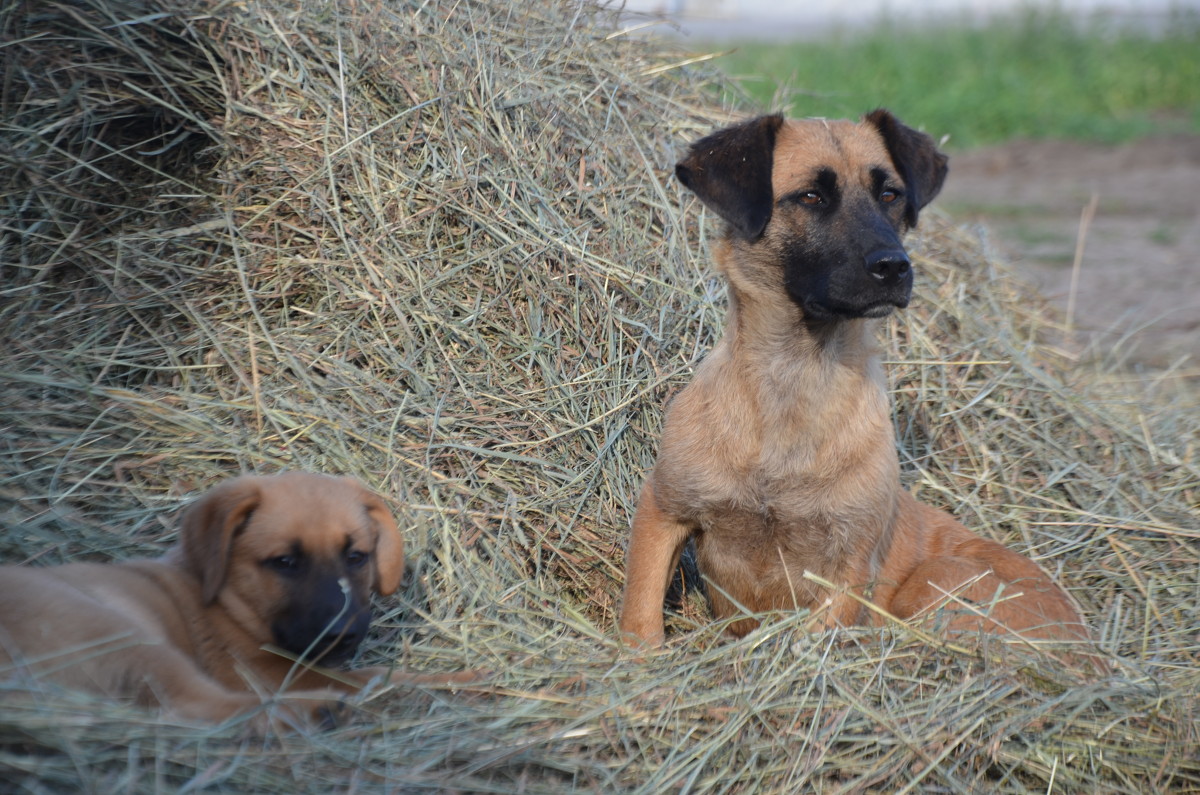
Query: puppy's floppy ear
(209, 527)
(730, 171)
(389, 545)
(922, 167)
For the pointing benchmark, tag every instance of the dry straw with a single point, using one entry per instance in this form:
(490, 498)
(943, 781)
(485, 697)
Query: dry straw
(436, 245)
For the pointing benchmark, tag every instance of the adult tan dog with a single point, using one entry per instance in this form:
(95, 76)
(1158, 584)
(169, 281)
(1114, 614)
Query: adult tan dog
(288, 560)
(779, 458)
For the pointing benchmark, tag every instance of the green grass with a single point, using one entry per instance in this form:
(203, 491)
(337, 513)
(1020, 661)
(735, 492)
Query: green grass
(1036, 75)
(1164, 235)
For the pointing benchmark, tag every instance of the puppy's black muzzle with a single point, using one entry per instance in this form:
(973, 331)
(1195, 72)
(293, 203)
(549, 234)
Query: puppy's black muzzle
(324, 638)
(326, 626)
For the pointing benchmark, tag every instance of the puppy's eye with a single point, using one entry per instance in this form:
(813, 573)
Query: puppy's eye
(356, 559)
(812, 198)
(888, 196)
(284, 563)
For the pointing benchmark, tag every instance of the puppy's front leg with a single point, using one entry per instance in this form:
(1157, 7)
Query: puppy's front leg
(654, 548)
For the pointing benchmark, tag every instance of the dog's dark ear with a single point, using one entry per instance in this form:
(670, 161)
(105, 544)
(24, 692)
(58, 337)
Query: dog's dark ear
(209, 527)
(389, 545)
(922, 167)
(730, 171)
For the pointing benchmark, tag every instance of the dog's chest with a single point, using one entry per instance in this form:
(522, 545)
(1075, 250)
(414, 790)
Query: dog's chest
(765, 494)
(765, 504)
(777, 459)
(807, 494)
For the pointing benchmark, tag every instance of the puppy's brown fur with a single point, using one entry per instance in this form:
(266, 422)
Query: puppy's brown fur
(779, 457)
(288, 560)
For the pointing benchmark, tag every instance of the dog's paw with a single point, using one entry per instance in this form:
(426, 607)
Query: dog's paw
(330, 715)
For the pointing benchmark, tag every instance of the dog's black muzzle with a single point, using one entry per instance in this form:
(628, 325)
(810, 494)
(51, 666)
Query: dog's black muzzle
(326, 627)
(858, 285)
(890, 267)
(849, 264)
(891, 272)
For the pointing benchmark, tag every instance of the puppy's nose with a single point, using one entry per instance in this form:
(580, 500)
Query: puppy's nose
(888, 265)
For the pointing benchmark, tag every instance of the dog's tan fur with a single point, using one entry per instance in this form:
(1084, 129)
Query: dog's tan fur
(779, 457)
(259, 559)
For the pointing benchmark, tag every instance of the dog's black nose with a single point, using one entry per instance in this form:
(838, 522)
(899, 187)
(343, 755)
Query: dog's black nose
(888, 265)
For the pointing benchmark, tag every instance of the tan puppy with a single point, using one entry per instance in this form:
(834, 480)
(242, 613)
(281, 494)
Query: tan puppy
(288, 560)
(779, 458)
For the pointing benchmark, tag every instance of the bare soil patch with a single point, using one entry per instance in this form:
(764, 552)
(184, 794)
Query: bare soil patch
(1137, 297)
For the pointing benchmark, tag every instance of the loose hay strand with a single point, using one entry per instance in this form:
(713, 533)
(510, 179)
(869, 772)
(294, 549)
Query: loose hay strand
(436, 246)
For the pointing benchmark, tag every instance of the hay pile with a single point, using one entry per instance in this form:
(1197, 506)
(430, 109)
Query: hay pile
(436, 245)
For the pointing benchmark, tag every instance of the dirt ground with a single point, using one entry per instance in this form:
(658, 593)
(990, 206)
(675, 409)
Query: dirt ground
(1138, 288)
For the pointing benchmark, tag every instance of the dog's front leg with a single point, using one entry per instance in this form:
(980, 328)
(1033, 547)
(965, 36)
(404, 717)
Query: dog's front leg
(654, 547)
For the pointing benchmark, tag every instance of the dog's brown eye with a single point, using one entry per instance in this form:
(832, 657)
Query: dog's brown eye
(888, 196)
(811, 198)
(355, 559)
(282, 563)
